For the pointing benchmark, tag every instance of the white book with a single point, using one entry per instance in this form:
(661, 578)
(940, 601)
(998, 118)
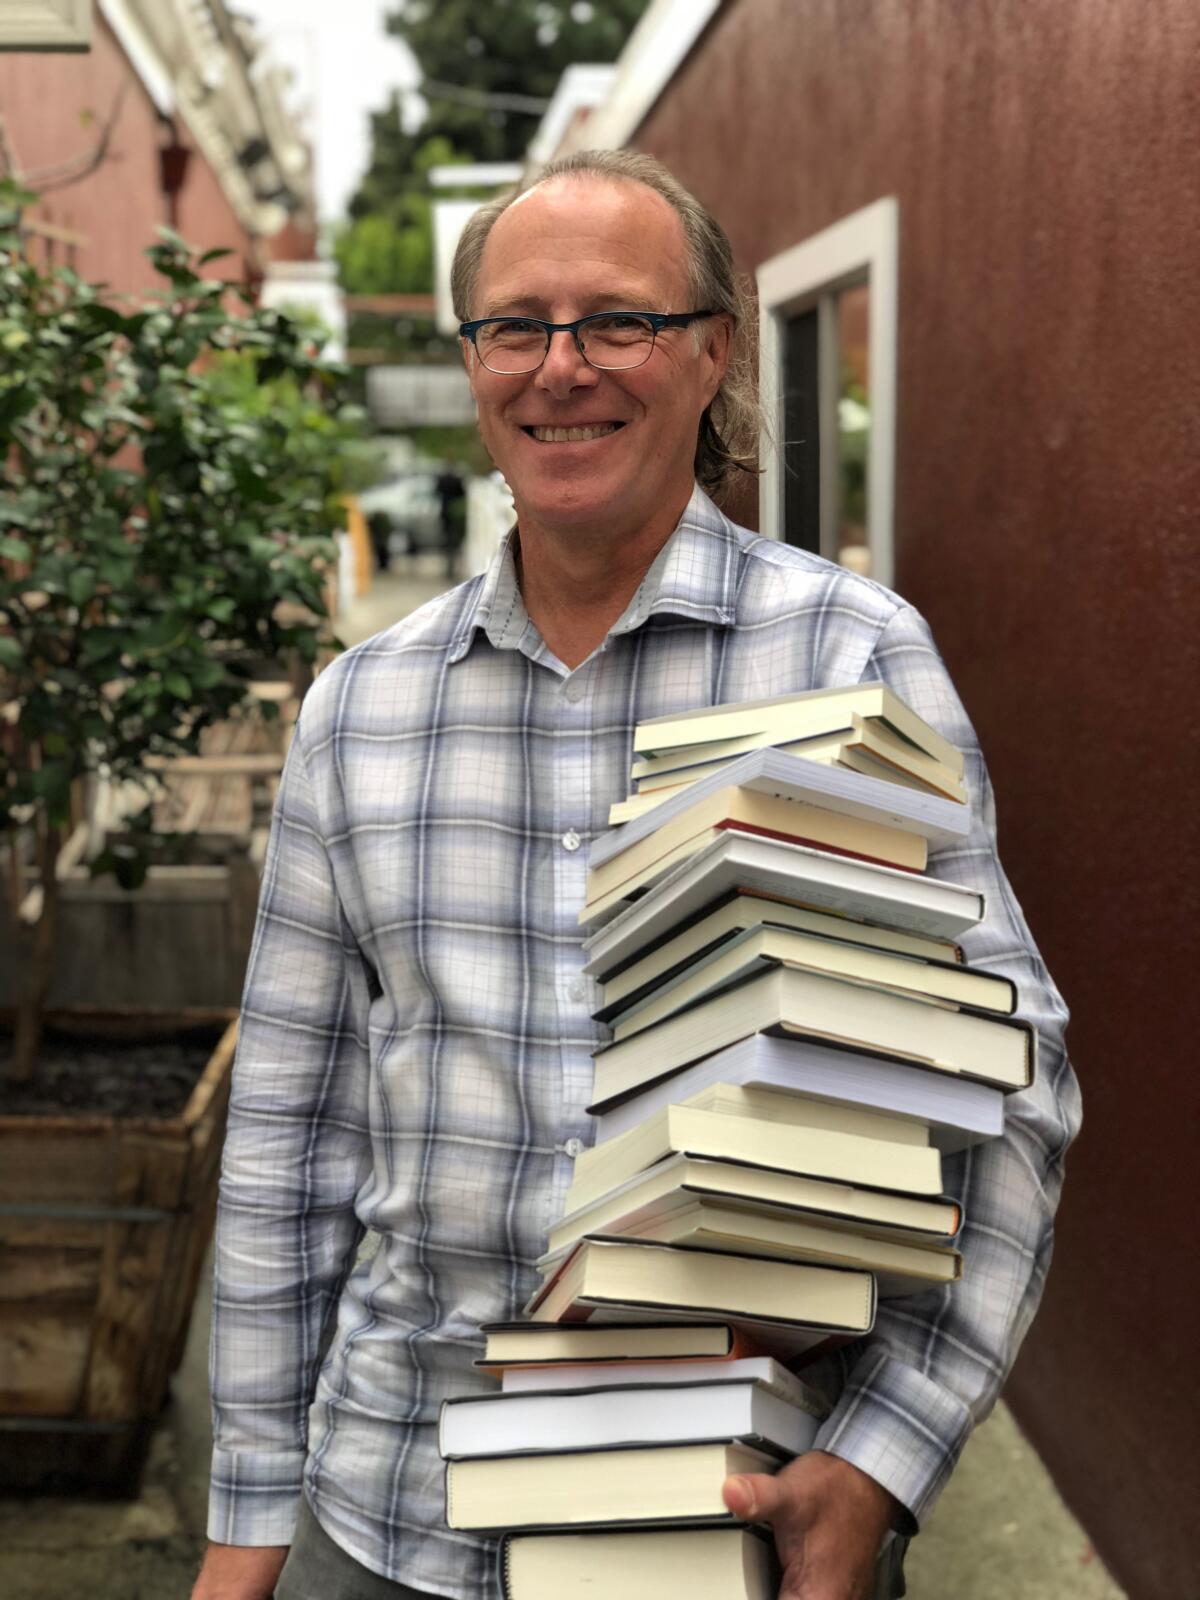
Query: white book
(619, 1415)
(764, 1370)
(957, 1111)
(858, 890)
(772, 772)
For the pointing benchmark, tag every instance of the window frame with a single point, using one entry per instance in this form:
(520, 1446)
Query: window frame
(46, 25)
(861, 248)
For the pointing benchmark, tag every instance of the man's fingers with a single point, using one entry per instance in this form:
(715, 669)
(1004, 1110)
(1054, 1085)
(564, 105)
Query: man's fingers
(751, 1496)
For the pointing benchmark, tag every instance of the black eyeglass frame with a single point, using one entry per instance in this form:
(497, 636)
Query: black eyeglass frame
(658, 320)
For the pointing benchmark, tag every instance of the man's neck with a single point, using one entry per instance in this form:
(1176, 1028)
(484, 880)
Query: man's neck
(576, 585)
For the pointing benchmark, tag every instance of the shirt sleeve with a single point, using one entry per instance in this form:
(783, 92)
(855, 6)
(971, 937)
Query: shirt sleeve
(934, 1363)
(296, 1154)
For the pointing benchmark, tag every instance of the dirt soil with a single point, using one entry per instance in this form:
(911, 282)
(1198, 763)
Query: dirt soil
(85, 1077)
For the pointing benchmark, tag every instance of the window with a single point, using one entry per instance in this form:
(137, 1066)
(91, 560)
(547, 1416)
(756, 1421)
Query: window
(828, 375)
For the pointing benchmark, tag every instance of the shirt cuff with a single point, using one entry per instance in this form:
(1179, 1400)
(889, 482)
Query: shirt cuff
(899, 1427)
(254, 1496)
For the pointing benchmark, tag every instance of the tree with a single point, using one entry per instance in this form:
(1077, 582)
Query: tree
(508, 48)
(169, 485)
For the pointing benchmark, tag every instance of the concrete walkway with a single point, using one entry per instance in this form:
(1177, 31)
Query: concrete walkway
(1000, 1531)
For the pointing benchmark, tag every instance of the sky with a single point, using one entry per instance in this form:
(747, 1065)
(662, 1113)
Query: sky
(346, 66)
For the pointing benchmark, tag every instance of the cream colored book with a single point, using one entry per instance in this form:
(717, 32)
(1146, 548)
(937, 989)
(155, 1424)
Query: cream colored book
(594, 1487)
(767, 813)
(677, 1183)
(867, 745)
(619, 1275)
(736, 1563)
(743, 912)
(900, 1269)
(787, 718)
(787, 1108)
(817, 1152)
(757, 947)
(996, 1050)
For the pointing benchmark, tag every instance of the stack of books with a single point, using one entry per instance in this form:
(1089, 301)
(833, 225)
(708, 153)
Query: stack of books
(796, 1042)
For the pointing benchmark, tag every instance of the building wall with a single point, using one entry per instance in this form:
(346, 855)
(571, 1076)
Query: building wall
(1044, 156)
(53, 107)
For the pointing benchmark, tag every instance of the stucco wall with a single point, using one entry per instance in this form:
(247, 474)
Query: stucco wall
(1045, 157)
(53, 108)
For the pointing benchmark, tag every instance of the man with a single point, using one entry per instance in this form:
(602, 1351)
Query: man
(415, 1052)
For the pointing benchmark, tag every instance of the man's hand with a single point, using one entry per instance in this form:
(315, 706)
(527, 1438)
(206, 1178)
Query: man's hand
(828, 1518)
(240, 1572)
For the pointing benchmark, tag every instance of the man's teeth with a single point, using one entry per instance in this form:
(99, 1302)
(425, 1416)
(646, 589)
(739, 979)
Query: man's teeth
(573, 435)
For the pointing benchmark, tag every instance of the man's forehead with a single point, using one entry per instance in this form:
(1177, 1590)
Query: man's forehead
(593, 211)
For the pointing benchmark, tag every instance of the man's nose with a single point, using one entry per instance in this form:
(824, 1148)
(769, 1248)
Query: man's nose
(564, 368)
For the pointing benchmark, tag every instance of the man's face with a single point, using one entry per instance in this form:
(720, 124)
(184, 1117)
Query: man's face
(568, 248)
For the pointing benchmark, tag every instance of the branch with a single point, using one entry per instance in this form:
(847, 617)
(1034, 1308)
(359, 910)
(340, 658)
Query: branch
(65, 173)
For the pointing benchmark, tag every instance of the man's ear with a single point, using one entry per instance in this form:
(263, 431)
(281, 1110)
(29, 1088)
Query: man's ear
(718, 346)
(469, 361)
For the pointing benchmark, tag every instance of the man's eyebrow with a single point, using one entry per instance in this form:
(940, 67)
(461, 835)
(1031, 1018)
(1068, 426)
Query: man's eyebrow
(531, 306)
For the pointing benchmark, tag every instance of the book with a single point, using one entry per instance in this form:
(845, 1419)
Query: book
(879, 806)
(754, 949)
(594, 1488)
(629, 1274)
(715, 924)
(864, 744)
(620, 1414)
(955, 1111)
(791, 821)
(722, 1136)
(996, 1050)
(735, 1563)
(821, 880)
(676, 1183)
(900, 1269)
(794, 716)
(543, 1345)
(763, 1370)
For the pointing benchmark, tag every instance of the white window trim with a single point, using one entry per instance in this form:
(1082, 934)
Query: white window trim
(864, 246)
(46, 25)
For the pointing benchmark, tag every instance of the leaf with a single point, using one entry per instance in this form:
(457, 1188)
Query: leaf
(10, 652)
(176, 684)
(214, 255)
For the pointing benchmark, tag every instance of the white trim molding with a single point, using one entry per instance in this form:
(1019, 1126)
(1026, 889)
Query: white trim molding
(46, 25)
(654, 53)
(861, 247)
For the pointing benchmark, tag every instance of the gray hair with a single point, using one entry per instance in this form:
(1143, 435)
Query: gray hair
(727, 438)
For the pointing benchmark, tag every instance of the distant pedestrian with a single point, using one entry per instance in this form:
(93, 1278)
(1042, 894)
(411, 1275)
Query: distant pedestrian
(452, 493)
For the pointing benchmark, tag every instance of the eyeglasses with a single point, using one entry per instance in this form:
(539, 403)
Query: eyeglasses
(614, 341)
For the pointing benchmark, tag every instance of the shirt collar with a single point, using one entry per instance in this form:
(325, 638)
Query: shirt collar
(694, 575)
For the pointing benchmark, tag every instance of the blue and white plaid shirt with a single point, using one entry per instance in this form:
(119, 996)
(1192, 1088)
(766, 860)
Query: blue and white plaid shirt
(416, 1042)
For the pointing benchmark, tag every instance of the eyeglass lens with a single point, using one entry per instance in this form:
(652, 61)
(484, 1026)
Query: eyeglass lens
(614, 342)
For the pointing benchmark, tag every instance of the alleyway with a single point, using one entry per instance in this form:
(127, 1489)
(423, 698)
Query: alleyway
(1000, 1533)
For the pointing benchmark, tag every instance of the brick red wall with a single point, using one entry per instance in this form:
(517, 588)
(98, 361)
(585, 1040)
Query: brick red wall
(1045, 160)
(44, 101)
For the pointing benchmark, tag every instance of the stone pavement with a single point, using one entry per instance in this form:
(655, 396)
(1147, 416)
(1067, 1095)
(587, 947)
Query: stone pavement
(1000, 1532)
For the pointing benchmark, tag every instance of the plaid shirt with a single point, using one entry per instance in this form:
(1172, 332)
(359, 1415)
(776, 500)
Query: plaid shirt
(415, 1054)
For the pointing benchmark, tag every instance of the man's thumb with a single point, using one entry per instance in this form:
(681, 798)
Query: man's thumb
(752, 1496)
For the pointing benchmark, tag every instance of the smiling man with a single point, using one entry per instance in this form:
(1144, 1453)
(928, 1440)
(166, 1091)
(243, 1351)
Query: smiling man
(415, 1054)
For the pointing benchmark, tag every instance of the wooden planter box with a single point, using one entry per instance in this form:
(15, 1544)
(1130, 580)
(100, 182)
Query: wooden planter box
(180, 940)
(104, 1226)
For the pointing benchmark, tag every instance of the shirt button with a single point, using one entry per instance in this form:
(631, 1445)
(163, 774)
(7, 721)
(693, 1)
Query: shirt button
(573, 1148)
(576, 989)
(574, 690)
(571, 840)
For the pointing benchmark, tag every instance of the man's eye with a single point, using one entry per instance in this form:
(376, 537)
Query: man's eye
(514, 329)
(620, 326)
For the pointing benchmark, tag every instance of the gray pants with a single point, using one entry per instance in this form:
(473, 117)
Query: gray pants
(318, 1569)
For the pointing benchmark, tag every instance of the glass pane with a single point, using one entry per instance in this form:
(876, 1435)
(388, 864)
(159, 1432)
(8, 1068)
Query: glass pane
(854, 427)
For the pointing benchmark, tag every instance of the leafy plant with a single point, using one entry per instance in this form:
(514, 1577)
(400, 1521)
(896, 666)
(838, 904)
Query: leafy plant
(170, 480)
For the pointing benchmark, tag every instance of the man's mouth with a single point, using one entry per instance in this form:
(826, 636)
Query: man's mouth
(578, 435)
